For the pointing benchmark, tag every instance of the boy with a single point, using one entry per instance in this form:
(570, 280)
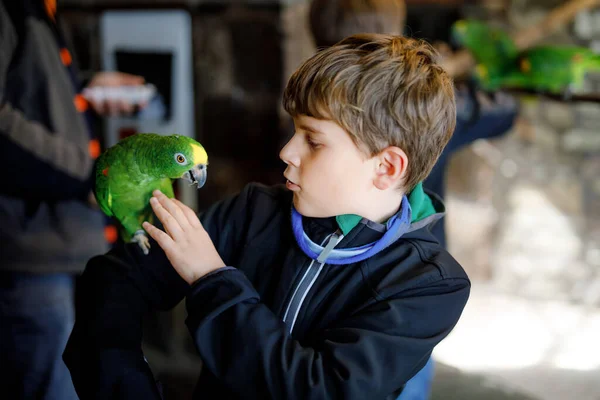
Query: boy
(330, 288)
(332, 20)
(478, 115)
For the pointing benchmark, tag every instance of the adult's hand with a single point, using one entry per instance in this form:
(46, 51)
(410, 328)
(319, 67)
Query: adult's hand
(111, 78)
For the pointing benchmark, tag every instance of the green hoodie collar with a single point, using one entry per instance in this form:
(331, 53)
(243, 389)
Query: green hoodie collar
(420, 204)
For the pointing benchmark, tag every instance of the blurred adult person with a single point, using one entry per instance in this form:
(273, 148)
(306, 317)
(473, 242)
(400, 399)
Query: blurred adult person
(49, 227)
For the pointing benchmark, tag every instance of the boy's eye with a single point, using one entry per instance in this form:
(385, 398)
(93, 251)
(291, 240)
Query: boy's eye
(312, 143)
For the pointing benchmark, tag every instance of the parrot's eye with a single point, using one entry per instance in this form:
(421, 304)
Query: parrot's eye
(180, 158)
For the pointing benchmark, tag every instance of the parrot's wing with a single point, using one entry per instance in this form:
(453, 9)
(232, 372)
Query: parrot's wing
(102, 186)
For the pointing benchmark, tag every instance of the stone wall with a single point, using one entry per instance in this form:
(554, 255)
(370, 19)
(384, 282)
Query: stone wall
(524, 210)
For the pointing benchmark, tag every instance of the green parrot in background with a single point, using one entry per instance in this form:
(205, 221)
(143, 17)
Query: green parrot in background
(557, 70)
(128, 172)
(492, 48)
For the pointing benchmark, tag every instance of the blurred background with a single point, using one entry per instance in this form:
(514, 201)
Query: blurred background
(523, 209)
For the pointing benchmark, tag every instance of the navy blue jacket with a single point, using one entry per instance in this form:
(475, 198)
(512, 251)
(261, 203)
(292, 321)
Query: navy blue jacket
(361, 332)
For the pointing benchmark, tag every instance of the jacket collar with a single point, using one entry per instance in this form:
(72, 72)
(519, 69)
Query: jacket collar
(310, 233)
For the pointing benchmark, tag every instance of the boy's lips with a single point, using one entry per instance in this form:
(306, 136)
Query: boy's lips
(292, 186)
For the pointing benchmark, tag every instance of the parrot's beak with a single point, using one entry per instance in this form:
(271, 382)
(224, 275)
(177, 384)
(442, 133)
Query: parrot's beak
(197, 175)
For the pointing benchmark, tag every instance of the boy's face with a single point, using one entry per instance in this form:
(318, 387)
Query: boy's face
(326, 171)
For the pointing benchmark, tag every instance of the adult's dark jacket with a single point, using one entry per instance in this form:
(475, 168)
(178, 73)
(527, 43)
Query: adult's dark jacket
(45, 164)
(363, 330)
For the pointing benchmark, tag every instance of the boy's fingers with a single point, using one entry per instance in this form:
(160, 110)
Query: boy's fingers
(189, 214)
(163, 240)
(169, 222)
(172, 208)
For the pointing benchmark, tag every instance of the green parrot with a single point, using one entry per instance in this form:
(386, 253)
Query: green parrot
(553, 69)
(128, 172)
(492, 48)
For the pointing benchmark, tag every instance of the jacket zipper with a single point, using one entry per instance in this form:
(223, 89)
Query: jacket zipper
(308, 279)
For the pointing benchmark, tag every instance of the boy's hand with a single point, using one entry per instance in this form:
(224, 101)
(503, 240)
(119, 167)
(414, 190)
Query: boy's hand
(185, 242)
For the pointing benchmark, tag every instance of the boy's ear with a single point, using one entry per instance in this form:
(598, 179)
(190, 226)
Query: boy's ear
(392, 165)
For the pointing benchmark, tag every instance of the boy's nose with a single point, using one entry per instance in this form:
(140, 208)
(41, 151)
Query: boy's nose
(288, 155)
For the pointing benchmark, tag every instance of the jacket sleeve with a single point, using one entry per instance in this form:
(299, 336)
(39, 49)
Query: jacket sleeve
(368, 354)
(227, 223)
(35, 163)
(104, 353)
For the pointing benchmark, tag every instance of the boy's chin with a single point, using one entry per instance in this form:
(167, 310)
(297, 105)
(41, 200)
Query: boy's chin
(307, 210)
(301, 206)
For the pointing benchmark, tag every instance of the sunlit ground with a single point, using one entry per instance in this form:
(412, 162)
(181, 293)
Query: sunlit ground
(549, 350)
(528, 328)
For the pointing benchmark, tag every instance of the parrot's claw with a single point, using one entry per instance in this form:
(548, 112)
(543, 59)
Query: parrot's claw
(141, 239)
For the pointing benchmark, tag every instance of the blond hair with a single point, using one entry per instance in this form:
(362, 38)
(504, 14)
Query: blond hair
(384, 91)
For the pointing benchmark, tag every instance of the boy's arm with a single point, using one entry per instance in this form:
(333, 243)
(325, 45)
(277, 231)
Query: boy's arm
(367, 355)
(227, 223)
(104, 353)
(104, 350)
